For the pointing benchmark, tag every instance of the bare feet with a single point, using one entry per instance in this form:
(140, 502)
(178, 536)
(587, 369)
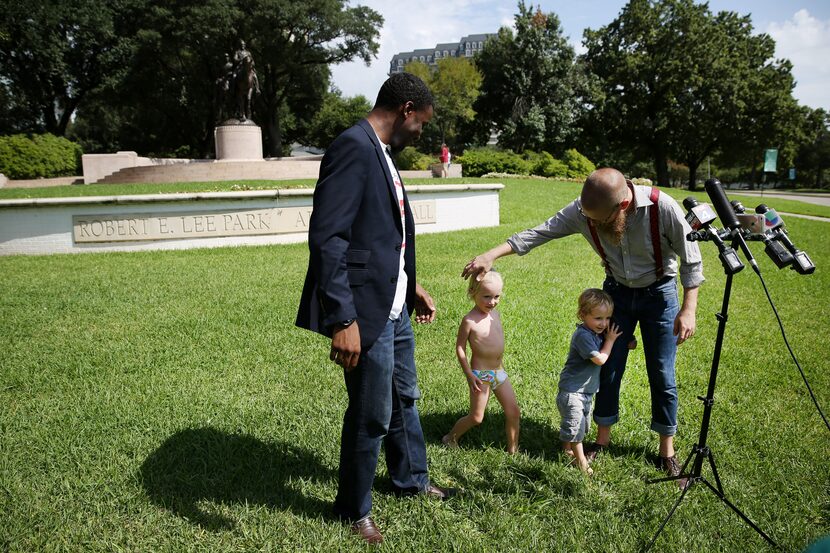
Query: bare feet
(449, 441)
(581, 464)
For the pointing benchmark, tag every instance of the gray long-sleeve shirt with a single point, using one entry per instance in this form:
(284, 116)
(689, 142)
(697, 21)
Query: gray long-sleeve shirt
(632, 261)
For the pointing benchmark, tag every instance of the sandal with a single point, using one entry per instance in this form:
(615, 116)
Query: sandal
(594, 449)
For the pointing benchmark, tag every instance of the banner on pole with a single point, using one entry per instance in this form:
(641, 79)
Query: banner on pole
(770, 160)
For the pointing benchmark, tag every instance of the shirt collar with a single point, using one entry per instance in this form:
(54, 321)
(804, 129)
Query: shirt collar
(641, 197)
(383, 146)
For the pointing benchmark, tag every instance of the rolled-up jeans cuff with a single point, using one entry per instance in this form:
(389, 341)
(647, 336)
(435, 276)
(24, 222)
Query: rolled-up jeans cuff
(606, 421)
(662, 429)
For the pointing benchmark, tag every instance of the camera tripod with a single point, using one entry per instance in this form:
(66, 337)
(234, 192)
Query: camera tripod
(701, 451)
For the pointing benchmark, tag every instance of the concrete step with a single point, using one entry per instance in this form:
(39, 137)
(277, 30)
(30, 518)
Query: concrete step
(277, 169)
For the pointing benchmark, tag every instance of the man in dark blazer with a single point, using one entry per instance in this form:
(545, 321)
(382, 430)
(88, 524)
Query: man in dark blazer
(360, 291)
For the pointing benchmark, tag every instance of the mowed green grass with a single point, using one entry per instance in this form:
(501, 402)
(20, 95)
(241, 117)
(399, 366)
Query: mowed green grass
(782, 205)
(164, 401)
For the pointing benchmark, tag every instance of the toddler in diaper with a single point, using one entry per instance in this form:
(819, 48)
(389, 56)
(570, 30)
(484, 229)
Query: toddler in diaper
(481, 329)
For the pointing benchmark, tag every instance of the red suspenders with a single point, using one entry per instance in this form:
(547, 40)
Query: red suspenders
(654, 219)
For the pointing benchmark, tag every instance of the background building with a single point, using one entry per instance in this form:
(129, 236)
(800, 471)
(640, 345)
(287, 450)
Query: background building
(466, 48)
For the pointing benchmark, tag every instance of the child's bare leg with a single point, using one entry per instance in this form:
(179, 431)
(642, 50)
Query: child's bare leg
(579, 458)
(478, 402)
(567, 447)
(512, 414)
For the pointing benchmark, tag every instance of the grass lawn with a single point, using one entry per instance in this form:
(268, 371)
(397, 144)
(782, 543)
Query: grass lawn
(164, 401)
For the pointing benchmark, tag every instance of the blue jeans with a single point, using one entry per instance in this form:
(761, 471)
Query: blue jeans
(654, 308)
(382, 391)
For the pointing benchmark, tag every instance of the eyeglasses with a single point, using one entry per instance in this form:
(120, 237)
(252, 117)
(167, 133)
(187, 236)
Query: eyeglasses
(601, 221)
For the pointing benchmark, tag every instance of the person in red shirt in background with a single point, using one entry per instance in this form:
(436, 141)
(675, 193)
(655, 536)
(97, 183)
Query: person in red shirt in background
(445, 160)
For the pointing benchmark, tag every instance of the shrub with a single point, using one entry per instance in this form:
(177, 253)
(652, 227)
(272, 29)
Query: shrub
(410, 159)
(579, 166)
(480, 161)
(545, 165)
(44, 155)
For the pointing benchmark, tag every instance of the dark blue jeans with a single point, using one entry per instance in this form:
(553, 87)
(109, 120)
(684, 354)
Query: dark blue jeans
(382, 392)
(654, 308)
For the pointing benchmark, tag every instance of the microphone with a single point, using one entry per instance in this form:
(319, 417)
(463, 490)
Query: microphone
(754, 226)
(751, 224)
(772, 220)
(700, 216)
(727, 217)
(801, 262)
(721, 204)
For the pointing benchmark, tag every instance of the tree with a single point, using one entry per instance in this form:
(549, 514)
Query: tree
(335, 116)
(294, 43)
(167, 100)
(676, 81)
(814, 154)
(455, 84)
(53, 55)
(529, 92)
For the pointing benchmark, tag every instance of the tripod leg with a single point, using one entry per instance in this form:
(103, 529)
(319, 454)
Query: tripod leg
(671, 512)
(739, 513)
(715, 471)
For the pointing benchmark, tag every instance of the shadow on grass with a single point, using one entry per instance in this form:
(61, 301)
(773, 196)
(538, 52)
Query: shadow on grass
(536, 439)
(195, 468)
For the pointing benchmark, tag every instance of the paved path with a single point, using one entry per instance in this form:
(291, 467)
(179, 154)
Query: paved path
(812, 217)
(817, 199)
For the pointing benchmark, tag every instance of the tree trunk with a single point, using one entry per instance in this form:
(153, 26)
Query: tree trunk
(692, 175)
(274, 135)
(661, 166)
(66, 116)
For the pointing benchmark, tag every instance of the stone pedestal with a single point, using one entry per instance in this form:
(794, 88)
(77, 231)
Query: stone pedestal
(238, 142)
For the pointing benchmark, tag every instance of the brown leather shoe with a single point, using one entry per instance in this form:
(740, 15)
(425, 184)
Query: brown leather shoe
(592, 450)
(366, 529)
(439, 493)
(671, 467)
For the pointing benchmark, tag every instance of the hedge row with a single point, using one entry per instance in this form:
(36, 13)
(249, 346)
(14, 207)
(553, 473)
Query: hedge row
(41, 155)
(481, 161)
(410, 159)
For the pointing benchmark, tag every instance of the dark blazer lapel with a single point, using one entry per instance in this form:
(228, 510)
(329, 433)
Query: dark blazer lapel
(370, 132)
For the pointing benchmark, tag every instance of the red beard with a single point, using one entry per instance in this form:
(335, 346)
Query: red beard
(614, 230)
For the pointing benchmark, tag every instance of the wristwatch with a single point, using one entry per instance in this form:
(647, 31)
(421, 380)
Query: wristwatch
(345, 324)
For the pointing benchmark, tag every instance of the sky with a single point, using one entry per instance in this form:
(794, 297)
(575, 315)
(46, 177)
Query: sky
(801, 29)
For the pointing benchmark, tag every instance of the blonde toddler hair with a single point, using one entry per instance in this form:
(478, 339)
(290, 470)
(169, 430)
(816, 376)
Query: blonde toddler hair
(590, 299)
(474, 284)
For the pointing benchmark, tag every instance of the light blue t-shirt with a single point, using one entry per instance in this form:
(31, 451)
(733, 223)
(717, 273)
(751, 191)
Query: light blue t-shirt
(580, 373)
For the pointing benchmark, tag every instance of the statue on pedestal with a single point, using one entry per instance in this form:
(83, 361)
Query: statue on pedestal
(239, 81)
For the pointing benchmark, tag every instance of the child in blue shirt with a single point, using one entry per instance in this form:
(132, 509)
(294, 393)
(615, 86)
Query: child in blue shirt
(579, 380)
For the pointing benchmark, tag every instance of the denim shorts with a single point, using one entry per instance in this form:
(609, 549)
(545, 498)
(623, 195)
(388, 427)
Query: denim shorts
(575, 409)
